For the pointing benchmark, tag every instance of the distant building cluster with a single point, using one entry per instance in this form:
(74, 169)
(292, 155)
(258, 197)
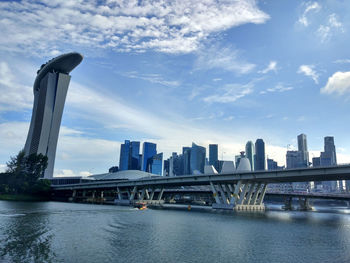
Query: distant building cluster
(193, 160)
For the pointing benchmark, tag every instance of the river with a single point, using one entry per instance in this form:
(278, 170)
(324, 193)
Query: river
(70, 232)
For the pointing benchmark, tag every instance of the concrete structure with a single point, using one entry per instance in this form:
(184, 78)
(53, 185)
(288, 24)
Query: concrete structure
(238, 191)
(50, 90)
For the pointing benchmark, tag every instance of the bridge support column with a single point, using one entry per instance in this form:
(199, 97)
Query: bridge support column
(143, 192)
(152, 194)
(255, 195)
(288, 203)
(215, 193)
(304, 204)
(119, 194)
(250, 194)
(243, 193)
(160, 194)
(262, 194)
(133, 193)
(223, 195)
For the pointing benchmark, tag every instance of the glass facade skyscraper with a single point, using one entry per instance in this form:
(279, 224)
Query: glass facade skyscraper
(260, 159)
(197, 159)
(135, 156)
(302, 148)
(157, 164)
(213, 156)
(148, 151)
(250, 152)
(124, 158)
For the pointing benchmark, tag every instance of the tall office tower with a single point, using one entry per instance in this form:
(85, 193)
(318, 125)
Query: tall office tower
(197, 159)
(250, 152)
(302, 147)
(124, 158)
(135, 156)
(329, 158)
(260, 159)
(186, 155)
(213, 156)
(175, 165)
(148, 151)
(271, 165)
(156, 164)
(50, 90)
(294, 159)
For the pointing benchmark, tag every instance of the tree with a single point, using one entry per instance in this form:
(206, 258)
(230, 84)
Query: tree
(23, 174)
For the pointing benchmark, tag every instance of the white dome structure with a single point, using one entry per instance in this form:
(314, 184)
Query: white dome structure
(209, 169)
(228, 167)
(244, 165)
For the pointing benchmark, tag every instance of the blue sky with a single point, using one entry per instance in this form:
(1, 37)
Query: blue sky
(173, 72)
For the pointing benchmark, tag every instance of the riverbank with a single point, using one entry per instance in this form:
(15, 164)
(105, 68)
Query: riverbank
(23, 197)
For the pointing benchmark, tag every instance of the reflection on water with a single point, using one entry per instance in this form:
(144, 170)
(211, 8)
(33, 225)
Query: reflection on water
(64, 232)
(25, 234)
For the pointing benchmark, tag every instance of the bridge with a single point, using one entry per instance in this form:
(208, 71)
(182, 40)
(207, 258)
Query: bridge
(234, 191)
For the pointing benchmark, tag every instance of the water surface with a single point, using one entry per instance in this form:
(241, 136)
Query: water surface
(68, 232)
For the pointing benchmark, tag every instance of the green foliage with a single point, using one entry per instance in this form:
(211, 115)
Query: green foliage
(23, 175)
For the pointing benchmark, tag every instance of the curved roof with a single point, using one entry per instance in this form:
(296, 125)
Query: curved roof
(228, 167)
(63, 64)
(244, 165)
(123, 175)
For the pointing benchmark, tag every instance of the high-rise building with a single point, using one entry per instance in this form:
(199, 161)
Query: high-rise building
(186, 157)
(157, 164)
(329, 158)
(260, 159)
(124, 158)
(135, 156)
(329, 149)
(197, 159)
(148, 151)
(213, 156)
(294, 159)
(250, 152)
(50, 90)
(302, 147)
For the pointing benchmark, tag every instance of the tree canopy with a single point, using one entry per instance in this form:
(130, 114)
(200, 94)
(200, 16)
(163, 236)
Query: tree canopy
(23, 174)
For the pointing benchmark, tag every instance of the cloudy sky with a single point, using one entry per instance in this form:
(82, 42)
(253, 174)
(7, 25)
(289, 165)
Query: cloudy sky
(173, 72)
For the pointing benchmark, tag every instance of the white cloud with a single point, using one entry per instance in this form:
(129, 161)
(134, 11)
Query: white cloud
(14, 96)
(3, 168)
(342, 61)
(278, 88)
(338, 83)
(333, 25)
(153, 78)
(166, 26)
(308, 70)
(230, 93)
(271, 67)
(309, 7)
(226, 58)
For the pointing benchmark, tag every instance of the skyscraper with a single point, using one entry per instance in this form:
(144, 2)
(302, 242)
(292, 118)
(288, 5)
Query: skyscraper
(197, 159)
(329, 158)
(157, 164)
(260, 159)
(124, 158)
(302, 148)
(135, 156)
(250, 152)
(50, 90)
(148, 151)
(186, 157)
(213, 156)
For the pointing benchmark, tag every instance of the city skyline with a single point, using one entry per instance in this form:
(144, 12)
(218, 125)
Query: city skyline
(271, 72)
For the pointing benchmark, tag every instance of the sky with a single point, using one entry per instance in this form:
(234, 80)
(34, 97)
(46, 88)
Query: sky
(177, 72)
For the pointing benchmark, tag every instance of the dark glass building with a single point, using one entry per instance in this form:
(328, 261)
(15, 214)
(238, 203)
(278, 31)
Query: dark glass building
(213, 156)
(260, 159)
(124, 158)
(135, 156)
(197, 159)
(148, 151)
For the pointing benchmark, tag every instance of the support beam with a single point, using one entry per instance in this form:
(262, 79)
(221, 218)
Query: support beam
(235, 195)
(143, 192)
(146, 194)
(255, 196)
(161, 194)
(243, 193)
(119, 194)
(223, 195)
(215, 193)
(262, 194)
(250, 194)
(152, 194)
(133, 193)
